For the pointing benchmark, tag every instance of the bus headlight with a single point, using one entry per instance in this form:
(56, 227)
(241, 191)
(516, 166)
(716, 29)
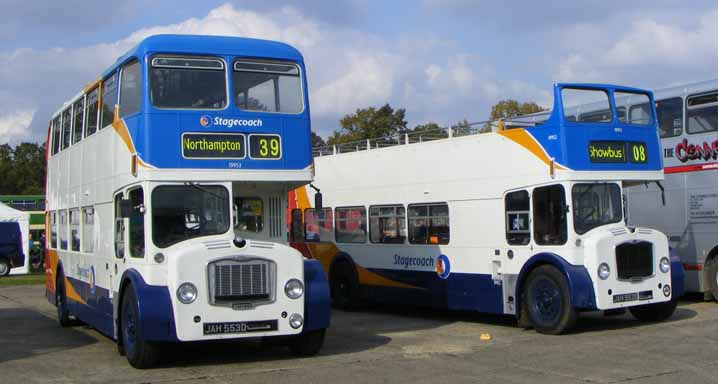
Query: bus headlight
(294, 289)
(296, 320)
(665, 265)
(604, 271)
(186, 293)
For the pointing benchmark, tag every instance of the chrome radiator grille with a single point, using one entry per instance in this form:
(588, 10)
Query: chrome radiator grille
(244, 280)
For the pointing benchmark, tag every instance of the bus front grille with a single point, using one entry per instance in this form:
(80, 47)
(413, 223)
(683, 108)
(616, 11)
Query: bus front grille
(244, 280)
(634, 260)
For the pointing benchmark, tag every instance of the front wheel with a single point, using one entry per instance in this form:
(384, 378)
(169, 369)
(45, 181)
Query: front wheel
(654, 312)
(547, 300)
(343, 287)
(308, 344)
(4, 267)
(140, 353)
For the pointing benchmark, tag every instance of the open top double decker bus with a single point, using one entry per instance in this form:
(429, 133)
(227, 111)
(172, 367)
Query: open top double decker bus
(525, 221)
(167, 191)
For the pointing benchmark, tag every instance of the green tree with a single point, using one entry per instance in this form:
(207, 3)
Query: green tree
(462, 128)
(7, 178)
(369, 123)
(428, 130)
(317, 140)
(509, 108)
(29, 169)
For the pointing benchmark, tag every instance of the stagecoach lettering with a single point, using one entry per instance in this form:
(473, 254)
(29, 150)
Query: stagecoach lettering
(407, 262)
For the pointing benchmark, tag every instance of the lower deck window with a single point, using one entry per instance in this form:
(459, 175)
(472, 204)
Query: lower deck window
(75, 230)
(350, 225)
(429, 223)
(387, 224)
(318, 225)
(518, 214)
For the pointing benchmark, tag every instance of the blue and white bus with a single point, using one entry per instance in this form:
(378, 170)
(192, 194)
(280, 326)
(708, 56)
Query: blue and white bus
(527, 221)
(167, 183)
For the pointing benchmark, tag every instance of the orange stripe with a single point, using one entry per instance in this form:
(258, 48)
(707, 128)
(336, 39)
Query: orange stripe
(524, 139)
(92, 85)
(50, 273)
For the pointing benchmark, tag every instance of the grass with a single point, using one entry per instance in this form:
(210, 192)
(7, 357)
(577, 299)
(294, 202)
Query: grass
(30, 279)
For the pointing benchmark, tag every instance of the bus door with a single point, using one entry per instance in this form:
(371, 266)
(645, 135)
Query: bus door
(129, 232)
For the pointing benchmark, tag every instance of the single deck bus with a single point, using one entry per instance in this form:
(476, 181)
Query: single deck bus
(685, 205)
(527, 221)
(167, 182)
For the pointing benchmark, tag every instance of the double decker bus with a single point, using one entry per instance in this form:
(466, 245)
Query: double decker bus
(685, 205)
(167, 182)
(526, 220)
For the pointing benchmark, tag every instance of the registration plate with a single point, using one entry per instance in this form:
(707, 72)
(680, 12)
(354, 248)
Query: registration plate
(240, 327)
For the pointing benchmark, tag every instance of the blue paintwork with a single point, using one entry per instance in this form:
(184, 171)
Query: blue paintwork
(98, 310)
(567, 141)
(154, 307)
(579, 282)
(317, 302)
(156, 133)
(11, 244)
(459, 291)
(677, 274)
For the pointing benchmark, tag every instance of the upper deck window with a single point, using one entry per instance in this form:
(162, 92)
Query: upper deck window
(590, 105)
(184, 82)
(639, 113)
(702, 113)
(268, 86)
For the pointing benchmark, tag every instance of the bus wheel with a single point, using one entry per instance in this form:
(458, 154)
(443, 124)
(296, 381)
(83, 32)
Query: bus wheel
(548, 303)
(712, 271)
(4, 267)
(308, 344)
(63, 313)
(343, 286)
(140, 353)
(654, 312)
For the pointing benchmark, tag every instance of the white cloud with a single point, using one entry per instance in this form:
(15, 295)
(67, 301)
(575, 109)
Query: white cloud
(14, 125)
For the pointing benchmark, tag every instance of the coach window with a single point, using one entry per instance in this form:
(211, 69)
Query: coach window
(119, 229)
(517, 218)
(670, 116)
(185, 82)
(250, 214)
(387, 224)
(130, 89)
(639, 112)
(53, 230)
(78, 110)
(91, 114)
(63, 229)
(109, 99)
(88, 229)
(66, 127)
(702, 113)
(56, 131)
(549, 215)
(428, 223)
(137, 223)
(75, 230)
(268, 86)
(319, 225)
(590, 105)
(350, 225)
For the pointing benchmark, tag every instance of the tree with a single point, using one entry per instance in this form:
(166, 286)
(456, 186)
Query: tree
(22, 169)
(317, 140)
(369, 123)
(509, 108)
(427, 131)
(462, 128)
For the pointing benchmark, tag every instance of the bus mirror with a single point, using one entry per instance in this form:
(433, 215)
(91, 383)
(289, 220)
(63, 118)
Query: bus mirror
(125, 208)
(318, 201)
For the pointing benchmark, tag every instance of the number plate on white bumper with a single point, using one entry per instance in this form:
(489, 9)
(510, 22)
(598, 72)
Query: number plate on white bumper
(626, 297)
(240, 327)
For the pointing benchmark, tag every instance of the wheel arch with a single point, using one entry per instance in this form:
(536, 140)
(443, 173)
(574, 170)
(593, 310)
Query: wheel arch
(154, 308)
(579, 282)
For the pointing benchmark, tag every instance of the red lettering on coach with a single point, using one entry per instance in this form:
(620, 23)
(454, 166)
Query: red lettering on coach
(706, 151)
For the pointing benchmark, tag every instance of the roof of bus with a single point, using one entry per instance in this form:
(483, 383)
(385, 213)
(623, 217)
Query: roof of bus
(219, 45)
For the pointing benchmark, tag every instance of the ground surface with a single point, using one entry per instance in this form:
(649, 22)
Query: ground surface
(379, 344)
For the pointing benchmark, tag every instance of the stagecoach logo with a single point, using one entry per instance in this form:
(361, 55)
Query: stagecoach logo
(205, 121)
(443, 266)
(208, 121)
(707, 151)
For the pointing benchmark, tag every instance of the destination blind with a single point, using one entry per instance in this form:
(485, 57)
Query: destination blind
(617, 152)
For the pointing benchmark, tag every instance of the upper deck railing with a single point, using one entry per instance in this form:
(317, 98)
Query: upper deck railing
(413, 137)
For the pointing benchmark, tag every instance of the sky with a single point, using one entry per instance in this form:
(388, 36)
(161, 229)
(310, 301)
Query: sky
(441, 60)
